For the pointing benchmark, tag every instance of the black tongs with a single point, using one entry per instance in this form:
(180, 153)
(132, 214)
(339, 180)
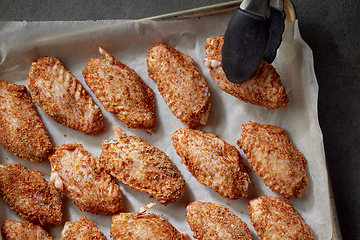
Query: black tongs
(254, 34)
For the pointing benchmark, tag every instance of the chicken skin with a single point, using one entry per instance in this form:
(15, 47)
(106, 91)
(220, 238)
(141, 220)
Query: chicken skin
(214, 221)
(84, 228)
(213, 162)
(29, 195)
(14, 230)
(144, 226)
(21, 130)
(141, 166)
(121, 91)
(275, 160)
(275, 218)
(78, 175)
(62, 97)
(263, 89)
(180, 83)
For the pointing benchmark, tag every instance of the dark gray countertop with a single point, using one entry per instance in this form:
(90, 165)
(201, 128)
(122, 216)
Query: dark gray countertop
(331, 30)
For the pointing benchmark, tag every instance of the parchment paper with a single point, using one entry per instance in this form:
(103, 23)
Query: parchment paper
(74, 43)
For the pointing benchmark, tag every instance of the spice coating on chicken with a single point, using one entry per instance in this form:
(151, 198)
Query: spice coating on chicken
(21, 130)
(213, 162)
(62, 97)
(275, 218)
(274, 158)
(214, 221)
(144, 226)
(121, 91)
(78, 175)
(142, 166)
(84, 228)
(13, 230)
(29, 195)
(263, 89)
(180, 83)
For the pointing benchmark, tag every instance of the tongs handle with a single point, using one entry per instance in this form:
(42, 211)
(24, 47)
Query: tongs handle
(276, 30)
(254, 33)
(245, 43)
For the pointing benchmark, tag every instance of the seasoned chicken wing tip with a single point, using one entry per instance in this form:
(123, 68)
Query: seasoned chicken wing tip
(144, 209)
(108, 56)
(119, 132)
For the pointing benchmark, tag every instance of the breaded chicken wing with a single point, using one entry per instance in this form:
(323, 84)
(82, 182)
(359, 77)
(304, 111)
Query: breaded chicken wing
(144, 226)
(14, 230)
(213, 162)
(275, 218)
(29, 195)
(21, 130)
(142, 166)
(62, 97)
(263, 89)
(214, 221)
(180, 83)
(121, 91)
(84, 228)
(275, 160)
(78, 175)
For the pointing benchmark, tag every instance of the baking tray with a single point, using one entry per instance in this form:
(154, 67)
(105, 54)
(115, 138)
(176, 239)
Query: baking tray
(225, 8)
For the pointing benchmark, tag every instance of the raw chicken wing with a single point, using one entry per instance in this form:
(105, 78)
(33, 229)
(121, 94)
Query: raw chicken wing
(180, 83)
(275, 218)
(263, 89)
(121, 91)
(143, 167)
(62, 97)
(84, 228)
(213, 162)
(274, 158)
(29, 195)
(143, 226)
(14, 230)
(78, 175)
(214, 221)
(21, 130)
